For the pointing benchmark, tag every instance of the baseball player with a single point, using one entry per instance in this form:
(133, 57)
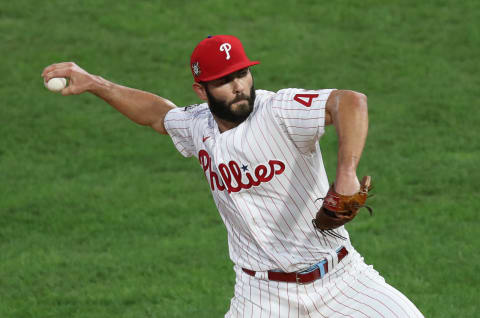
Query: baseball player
(260, 154)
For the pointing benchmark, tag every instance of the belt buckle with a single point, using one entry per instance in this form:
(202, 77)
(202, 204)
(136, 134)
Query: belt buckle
(308, 270)
(297, 279)
(318, 266)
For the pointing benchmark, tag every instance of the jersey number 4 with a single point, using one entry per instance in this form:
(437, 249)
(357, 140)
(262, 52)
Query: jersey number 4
(305, 99)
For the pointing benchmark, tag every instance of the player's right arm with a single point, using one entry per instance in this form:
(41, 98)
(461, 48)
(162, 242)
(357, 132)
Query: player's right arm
(142, 107)
(348, 112)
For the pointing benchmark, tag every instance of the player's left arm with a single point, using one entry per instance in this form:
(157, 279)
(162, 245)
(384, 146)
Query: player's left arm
(348, 112)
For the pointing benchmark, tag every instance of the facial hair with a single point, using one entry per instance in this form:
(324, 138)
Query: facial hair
(224, 111)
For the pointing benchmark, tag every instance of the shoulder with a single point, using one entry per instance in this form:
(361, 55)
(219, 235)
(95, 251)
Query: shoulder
(263, 97)
(190, 112)
(292, 98)
(291, 94)
(296, 94)
(182, 119)
(195, 110)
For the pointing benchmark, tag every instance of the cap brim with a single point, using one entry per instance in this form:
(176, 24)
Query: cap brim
(230, 70)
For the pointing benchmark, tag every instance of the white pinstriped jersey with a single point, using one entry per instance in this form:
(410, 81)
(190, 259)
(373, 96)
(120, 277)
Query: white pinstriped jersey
(265, 176)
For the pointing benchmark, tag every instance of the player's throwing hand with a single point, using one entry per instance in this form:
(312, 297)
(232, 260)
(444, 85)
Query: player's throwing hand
(80, 81)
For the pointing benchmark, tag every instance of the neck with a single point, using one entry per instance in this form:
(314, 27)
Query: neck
(224, 125)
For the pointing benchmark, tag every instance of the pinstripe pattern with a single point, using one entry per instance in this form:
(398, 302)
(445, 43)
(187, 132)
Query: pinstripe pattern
(266, 175)
(269, 226)
(355, 291)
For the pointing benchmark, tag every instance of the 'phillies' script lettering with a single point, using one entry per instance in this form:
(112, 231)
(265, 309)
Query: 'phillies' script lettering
(232, 174)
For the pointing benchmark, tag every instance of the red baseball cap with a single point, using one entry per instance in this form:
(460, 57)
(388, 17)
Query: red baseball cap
(217, 56)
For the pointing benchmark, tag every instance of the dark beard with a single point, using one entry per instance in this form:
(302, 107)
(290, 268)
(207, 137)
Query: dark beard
(224, 111)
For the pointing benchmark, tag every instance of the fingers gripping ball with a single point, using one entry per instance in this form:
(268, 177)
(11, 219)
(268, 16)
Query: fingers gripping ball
(56, 84)
(338, 209)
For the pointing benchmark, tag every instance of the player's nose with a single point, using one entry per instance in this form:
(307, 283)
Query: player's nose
(238, 85)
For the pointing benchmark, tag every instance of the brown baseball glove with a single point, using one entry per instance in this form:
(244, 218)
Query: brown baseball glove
(338, 209)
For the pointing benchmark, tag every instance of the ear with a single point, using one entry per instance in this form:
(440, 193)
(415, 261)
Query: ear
(200, 90)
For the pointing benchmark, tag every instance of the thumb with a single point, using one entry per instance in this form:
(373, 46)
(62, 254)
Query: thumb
(68, 90)
(73, 88)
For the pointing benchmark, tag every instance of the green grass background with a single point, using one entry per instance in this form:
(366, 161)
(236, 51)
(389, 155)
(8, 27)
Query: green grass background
(102, 218)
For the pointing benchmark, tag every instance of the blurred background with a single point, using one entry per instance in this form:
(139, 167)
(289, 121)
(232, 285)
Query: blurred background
(100, 217)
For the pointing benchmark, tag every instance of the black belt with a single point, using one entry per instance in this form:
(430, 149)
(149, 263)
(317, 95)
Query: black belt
(304, 277)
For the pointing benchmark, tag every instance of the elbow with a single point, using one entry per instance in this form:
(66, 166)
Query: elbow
(362, 100)
(346, 103)
(357, 100)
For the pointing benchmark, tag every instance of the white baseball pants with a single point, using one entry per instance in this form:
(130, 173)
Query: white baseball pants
(356, 290)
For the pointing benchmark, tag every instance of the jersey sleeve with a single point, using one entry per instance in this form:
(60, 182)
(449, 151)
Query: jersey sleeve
(301, 114)
(178, 123)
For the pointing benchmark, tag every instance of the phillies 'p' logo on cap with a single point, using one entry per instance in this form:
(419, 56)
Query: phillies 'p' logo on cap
(226, 47)
(217, 56)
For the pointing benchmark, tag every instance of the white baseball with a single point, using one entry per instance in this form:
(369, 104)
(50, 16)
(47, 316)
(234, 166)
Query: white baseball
(56, 84)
